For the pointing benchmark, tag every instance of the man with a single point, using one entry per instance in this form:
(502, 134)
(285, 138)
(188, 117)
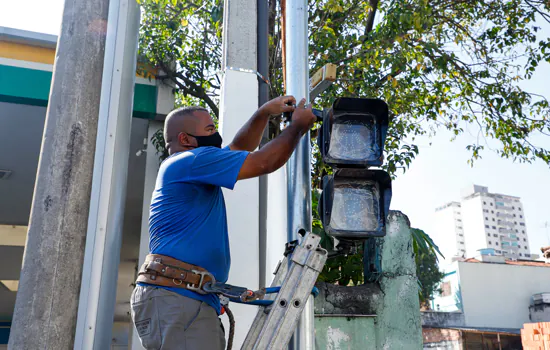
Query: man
(188, 224)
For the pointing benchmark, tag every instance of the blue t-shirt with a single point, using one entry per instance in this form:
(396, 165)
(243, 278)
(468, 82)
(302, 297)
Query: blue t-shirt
(187, 218)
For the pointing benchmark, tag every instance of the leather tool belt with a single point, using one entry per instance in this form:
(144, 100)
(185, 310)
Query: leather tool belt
(162, 270)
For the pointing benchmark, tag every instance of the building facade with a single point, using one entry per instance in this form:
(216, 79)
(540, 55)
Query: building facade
(492, 291)
(482, 220)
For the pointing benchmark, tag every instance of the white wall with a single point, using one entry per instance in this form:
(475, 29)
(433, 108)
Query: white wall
(448, 303)
(474, 226)
(498, 295)
(444, 234)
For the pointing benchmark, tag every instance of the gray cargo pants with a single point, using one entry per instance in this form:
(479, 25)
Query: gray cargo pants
(167, 320)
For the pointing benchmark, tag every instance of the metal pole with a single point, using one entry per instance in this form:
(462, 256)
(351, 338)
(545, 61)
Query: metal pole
(298, 167)
(263, 97)
(104, 238)
(47, 301)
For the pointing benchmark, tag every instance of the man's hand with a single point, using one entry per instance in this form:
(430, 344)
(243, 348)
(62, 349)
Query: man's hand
(303, 116)
(278, 105)
(276, 153)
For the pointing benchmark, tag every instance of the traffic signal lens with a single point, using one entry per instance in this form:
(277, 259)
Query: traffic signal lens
(356, 206)
(353, 141)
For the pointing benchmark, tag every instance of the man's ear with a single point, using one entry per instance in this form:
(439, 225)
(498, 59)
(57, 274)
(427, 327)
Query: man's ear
(183, 140)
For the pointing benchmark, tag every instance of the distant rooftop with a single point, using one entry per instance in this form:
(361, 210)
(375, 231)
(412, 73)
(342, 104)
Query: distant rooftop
(447, 205)
(511, 262)
(27, 37)
(477, 189)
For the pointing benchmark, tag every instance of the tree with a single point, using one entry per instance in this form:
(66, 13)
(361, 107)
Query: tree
(449, 64)
(429, 276)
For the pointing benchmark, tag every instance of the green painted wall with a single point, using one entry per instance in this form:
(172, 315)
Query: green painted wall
(25, 86)
(145, 101)
(32, 87)
(344, 333)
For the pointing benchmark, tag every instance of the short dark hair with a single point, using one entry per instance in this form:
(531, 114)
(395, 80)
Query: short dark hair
(181, 111)
(179, 114)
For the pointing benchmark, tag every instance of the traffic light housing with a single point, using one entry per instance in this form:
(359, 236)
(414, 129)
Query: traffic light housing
(353, 133)
(355, 203)
(355, 200)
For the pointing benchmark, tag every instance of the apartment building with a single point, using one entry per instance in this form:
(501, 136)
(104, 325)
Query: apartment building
(482, 220)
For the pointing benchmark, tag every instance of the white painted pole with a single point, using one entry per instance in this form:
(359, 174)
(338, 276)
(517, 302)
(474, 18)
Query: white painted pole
(298, 167)
(104, 237)
(239, 100)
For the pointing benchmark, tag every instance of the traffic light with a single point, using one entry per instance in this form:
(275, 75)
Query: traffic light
(353, 132)
(355, 200)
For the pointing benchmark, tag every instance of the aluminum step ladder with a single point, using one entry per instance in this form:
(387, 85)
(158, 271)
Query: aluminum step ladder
(275, 324)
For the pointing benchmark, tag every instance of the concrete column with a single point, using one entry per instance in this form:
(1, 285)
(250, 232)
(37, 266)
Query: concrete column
(387, 312)
(239, 101)
(398, 324)
(152, 164)
(46, 307)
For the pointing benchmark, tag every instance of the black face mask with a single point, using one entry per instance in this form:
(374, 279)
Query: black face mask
(214, 140)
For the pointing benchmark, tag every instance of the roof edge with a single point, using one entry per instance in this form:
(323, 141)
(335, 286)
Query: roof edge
(21, 36)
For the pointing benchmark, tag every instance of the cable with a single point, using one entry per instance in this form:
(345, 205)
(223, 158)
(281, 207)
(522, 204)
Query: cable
(231, 327)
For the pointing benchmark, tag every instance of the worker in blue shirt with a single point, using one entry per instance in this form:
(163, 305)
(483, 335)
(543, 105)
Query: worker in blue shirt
(188, 223)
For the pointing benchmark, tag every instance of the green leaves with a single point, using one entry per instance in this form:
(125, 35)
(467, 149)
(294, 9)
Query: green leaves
(183, 39)
(442, 64)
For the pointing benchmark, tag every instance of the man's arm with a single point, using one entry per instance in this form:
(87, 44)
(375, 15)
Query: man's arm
(249, 136)
(277, 152)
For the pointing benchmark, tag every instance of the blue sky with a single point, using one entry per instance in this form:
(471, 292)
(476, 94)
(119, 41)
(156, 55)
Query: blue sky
(435, 177)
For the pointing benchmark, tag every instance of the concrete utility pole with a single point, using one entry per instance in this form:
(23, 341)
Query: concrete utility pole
(239, 100)
(298, 167)
(47, 301)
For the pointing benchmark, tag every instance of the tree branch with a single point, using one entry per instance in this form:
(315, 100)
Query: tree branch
(190, 87)
(370, 19)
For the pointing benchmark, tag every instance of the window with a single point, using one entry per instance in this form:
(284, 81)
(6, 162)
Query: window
(513, 207)
(514, 215)
(521, 216)
(485, 210)
(445, 289)
(520, 254)
(515, 222)
(516, 230)
(459, 227)
(495, 235)
(493, 219)
(498, 251)
(486, 226)
(521, 224)
(461, 242)
(494, 227)
(458, 220)
(492, 211)
(522, 231)
(491, 204)
(486, 218)
(519, 209)
(485, 203)
(496, 243)
(524, 240)
(461, 235)
(490, 242)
